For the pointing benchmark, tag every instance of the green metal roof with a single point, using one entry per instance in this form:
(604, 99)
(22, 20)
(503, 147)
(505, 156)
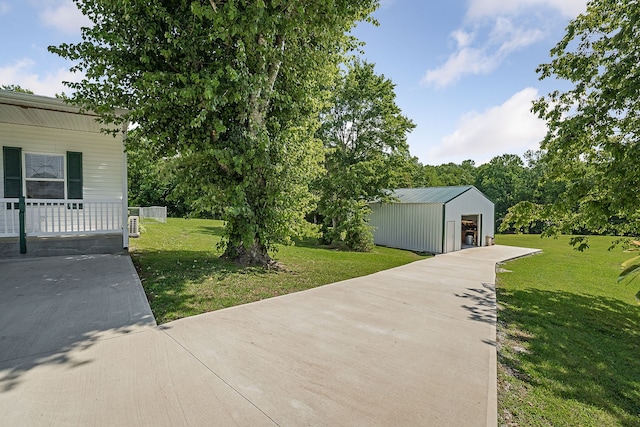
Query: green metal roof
(430, 194)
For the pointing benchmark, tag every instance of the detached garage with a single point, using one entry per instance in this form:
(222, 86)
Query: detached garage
(436, 219)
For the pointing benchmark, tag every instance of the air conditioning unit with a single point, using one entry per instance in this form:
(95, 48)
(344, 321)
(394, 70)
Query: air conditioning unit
(134, 226)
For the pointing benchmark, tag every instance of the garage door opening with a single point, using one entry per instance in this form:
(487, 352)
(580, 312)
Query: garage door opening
(470, 231)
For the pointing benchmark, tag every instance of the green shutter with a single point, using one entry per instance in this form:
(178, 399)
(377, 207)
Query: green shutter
(74, 175)
(12, 157)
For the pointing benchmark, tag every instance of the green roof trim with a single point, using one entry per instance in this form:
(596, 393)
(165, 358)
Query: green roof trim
(439, 195)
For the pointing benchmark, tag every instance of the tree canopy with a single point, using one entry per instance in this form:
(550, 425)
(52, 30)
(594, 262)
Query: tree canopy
(364, 135)
(504, 181)
(231, 88)
(152, 178)
(592, 144)
(16, 88)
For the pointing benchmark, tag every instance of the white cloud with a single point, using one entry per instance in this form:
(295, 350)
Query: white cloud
(465, 61)
(489, 8)
(503, 40)
(4, 8)
(507, 128)
(64, 16)
(21, 73)
(511, 38)
(462, 38)
(494, 36)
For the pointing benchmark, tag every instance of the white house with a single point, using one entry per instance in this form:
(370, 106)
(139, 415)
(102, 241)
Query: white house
(71, 178)
(436, 219)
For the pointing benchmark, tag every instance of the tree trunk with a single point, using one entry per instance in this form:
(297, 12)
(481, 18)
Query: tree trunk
(256, 255)
(256, 112)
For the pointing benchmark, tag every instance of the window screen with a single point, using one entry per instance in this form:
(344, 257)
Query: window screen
(44, 176)
(44, 166)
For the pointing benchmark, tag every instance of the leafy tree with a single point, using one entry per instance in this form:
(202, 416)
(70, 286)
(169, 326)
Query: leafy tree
(414, 174)
(453, 174)
(446, 174)
(409, 172)
(364, 134)
(232, 88)
(16, 88)
(539, 190)
(429, 177)
(542, 188)
(503, 181)
(593, 139)
(152, 180)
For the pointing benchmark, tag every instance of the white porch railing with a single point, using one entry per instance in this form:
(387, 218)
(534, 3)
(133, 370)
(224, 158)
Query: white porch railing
(49, 217)
(9, 219)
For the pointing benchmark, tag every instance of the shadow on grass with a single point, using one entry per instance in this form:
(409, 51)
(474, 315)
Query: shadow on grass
(579, 347)
(178, 282)
(314, 243)
(212, 231)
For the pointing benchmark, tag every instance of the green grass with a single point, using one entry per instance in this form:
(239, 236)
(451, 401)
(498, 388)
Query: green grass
(568, 337)
(182, 274)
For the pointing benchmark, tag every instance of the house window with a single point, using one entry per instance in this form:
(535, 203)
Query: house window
(44, 176)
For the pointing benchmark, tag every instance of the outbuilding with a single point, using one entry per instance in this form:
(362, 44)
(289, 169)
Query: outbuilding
(435, 219)
(63, 182)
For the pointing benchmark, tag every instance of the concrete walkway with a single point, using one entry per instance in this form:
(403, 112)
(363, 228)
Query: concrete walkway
(414, 345)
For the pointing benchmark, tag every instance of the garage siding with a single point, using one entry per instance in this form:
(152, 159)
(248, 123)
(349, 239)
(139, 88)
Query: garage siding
(416, 227)
(472, 202)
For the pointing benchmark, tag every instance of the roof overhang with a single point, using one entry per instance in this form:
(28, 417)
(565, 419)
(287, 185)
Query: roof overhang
(36, 110)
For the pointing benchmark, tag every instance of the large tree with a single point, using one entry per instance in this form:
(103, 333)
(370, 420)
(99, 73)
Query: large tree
(364, 134)
(448, 174)
(152, 178)
(232, 88)
(593, 140)
(503, 180)
(538, 192)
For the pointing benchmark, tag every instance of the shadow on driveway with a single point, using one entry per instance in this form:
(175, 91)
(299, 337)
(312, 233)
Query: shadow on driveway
(51, 307)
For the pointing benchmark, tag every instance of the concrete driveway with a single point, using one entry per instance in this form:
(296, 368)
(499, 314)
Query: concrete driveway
(414, 345)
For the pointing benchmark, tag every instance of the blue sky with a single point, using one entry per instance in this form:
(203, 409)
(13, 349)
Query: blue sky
(464, 69)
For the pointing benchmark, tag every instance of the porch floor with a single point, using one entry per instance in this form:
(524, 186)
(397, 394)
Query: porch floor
(63, 245)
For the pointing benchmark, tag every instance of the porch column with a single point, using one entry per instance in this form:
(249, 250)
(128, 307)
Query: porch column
(125, 190)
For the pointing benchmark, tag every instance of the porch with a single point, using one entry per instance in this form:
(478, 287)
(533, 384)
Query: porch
(55, 227)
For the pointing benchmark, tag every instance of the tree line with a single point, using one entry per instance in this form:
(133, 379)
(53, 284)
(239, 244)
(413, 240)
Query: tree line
(507, 180)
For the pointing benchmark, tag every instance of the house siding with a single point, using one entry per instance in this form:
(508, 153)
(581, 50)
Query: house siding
(102, 160)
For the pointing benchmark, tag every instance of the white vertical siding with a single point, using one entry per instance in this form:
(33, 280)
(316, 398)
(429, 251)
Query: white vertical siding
(420, 226)
(102, 155)
(412, 226)
(471, 202)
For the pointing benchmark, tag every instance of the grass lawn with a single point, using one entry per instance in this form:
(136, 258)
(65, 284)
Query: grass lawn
(568, 337)
(182, 274)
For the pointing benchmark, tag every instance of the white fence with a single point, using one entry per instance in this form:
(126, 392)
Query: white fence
(49, 217)
(157, 213)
